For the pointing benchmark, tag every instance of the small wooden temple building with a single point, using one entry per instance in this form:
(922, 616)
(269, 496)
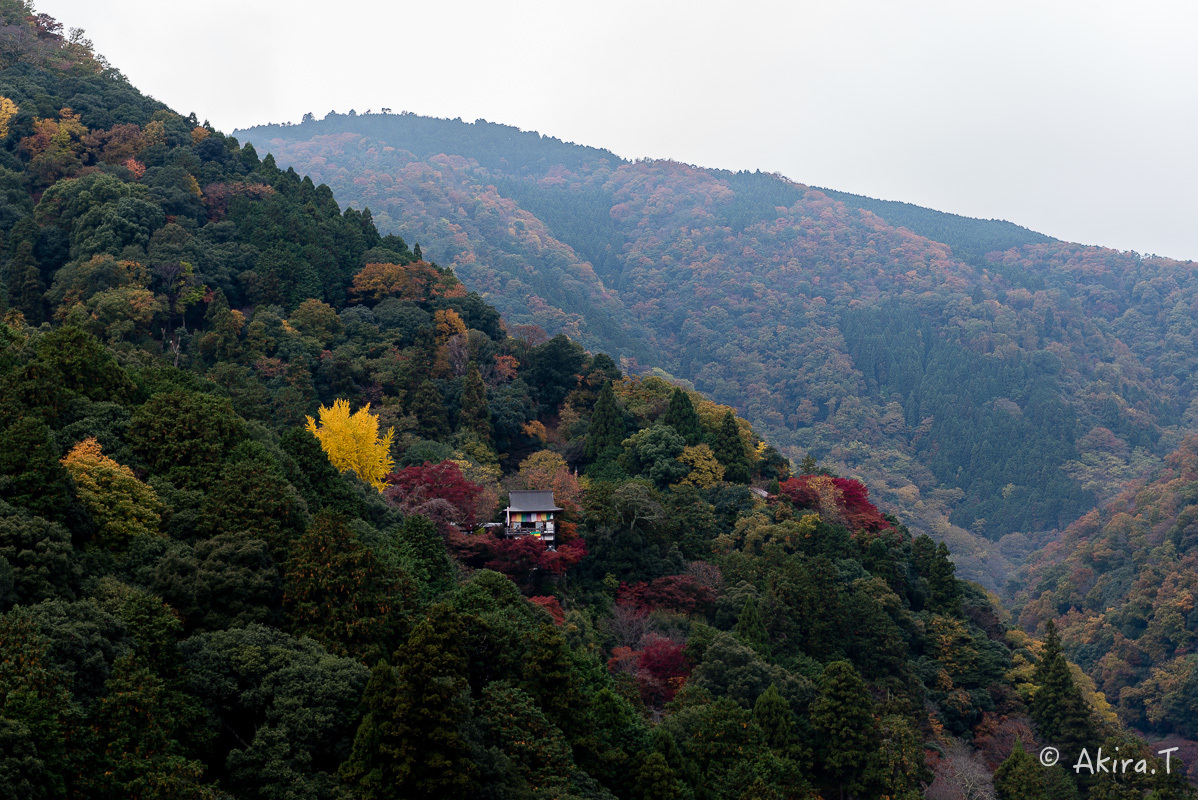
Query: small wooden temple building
(531, 514)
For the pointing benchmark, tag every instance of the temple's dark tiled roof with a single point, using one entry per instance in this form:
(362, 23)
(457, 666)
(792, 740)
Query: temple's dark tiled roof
(531, 501)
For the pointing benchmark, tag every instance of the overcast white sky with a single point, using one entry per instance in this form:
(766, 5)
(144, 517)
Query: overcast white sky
(1077, 119)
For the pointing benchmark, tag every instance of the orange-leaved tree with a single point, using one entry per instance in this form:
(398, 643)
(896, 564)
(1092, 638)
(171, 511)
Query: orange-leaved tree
(417, 281)
(546, 469)
(352, 441)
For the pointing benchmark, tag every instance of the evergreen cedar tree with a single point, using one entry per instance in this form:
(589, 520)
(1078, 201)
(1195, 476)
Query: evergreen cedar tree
(1020, 777)
(1061, 713)
(410, 743)
(729, 450)
(607, 430)
(750, 628)
(843, 717)
(475, 415)
(339, 593)
(682, 417)
(198, 599)
(429, 408)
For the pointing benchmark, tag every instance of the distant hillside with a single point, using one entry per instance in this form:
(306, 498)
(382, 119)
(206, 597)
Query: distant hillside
(492, 145)
(965, 368)
(970, 238)
(1121, 585)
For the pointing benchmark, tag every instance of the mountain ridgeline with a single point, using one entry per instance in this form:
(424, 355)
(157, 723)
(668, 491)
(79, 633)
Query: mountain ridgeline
(969, 370)
(971, 239)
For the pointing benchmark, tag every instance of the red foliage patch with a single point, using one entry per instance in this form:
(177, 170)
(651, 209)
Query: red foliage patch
(852, 501)
(566, 531)
(798, 492)
(664, 657)
(659, 667)
(623, 659)
(550, 604)
(471, 549)
(415, 490)
(526, 560)
(518, 556)
(680, 594)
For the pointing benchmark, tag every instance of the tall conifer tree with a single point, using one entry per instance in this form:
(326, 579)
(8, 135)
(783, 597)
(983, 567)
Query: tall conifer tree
(730, 451)
(656, 781)
(429, 408)
(475, 415)
(1019, 777)
(513, 723)
(607, 426)
(681, 415)
(25, 286)
(942, 582)
(776, 719)
(411, 744)
(337, 592)
(1060, 711)
(750, 628)
(843, 720)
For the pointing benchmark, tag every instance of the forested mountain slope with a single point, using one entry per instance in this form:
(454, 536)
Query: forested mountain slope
(247, 448)
(1121, 584)
(989, 383)
(968, 237)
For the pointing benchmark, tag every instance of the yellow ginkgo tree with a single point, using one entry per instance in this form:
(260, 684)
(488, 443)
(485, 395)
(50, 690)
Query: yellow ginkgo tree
(8, 110)
(352, 442)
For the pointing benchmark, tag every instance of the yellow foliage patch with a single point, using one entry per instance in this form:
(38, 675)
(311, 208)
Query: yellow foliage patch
(449, 324)
(536, 430)
(417, 281)
(352, 442)
(89, 452)
(122, 506)
(546, 469)
(154, 133)
(706, 471)
(8, 110)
